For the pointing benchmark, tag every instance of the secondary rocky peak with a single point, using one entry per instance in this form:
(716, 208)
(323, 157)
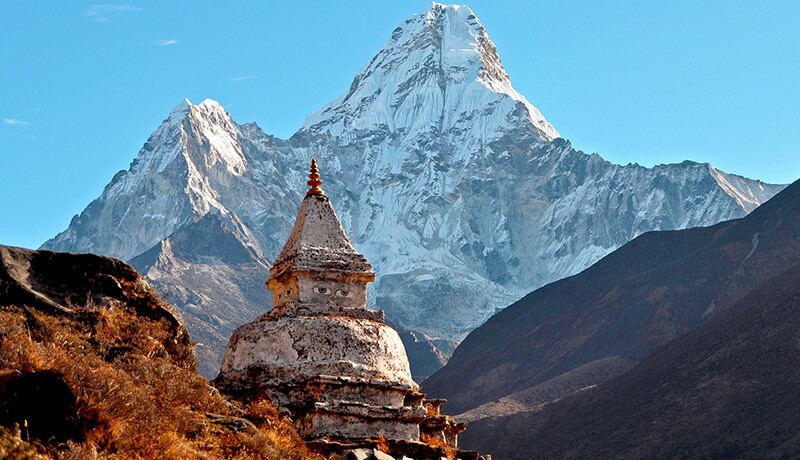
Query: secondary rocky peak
(212, 112)
(208, 109)
(183, 169)
(438, 71)
(210, 104)
(207, 125)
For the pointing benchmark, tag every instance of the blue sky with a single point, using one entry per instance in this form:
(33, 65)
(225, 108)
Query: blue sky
(83, 84)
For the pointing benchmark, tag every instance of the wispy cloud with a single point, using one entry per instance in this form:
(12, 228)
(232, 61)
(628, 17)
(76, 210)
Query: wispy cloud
(26, 136)
(14, 121)
(243, 78)
(168, 42)
(106, 13)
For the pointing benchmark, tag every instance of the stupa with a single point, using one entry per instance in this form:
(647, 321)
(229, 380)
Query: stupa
(320, 354)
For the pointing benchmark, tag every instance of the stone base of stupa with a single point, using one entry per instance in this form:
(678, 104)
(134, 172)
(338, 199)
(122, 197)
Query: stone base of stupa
(351, 420)
(327, 406)
(389, 449)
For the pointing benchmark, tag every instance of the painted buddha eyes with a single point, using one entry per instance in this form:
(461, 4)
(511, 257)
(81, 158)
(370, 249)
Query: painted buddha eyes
(340, 292)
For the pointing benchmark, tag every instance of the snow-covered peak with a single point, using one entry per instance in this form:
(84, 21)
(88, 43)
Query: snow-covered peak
(213, 109)
(209, 109)
(189, 158)
(464, 39)
(207, 124)
(181, 109)
(208, 106)
(438, 71)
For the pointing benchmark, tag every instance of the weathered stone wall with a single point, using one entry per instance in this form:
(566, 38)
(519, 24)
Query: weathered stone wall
(367, 391)
(355, 425)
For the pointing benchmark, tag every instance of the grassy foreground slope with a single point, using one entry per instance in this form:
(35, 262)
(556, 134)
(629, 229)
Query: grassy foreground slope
(94, 365)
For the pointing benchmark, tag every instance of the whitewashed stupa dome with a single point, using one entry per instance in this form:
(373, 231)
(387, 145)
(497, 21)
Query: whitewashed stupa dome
(299, 348)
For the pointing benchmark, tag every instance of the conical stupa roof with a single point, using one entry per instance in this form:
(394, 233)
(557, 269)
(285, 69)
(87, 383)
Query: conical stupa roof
(318, 242)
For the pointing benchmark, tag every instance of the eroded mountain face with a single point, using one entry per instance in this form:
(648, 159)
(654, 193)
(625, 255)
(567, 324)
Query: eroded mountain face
(450, 182)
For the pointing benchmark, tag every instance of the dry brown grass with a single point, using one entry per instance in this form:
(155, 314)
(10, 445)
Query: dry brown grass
(383, 444)
(137, 392)
(14, 448)
(432, 441)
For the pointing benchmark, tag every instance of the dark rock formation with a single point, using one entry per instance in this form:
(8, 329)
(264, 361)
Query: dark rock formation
(62, 283)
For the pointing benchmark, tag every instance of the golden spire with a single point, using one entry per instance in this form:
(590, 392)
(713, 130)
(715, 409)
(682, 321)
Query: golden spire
(314, 181)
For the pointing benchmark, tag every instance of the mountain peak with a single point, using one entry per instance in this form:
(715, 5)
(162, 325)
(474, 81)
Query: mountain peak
(184, 107)
(180, 110)
(438, 72)
(460, 15)
(210, 104)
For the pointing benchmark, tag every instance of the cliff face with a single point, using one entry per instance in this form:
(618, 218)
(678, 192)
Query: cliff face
(94, 363)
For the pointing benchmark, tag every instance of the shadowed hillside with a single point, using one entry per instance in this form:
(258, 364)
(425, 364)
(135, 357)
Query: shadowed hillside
(727, 389)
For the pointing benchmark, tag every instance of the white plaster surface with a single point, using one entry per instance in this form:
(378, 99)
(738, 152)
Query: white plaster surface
(298, 348)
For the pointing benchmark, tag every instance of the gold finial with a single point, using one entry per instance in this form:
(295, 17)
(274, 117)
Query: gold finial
(315, 181)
